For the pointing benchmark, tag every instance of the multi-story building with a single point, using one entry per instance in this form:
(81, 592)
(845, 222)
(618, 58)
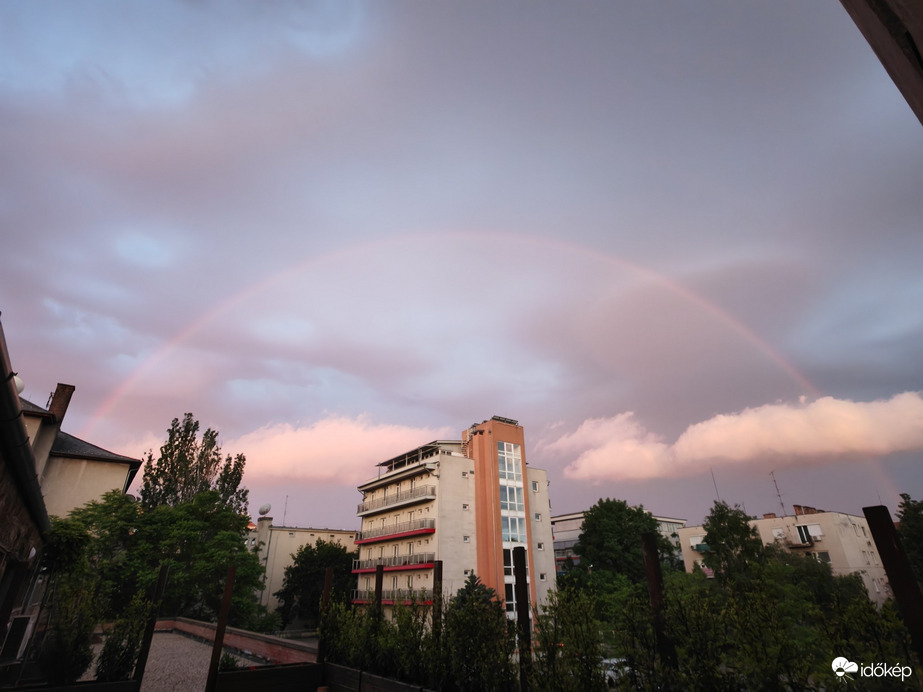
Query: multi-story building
(276, 546)
(568, 527)
(467, 503)
(843, 541)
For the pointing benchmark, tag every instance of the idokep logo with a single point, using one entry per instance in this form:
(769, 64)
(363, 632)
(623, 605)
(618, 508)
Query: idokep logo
(843, 667)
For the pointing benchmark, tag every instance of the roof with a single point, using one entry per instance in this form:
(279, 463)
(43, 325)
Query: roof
(66, 445)
(28, 407)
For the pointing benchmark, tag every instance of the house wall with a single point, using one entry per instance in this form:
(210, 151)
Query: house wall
(71, 483)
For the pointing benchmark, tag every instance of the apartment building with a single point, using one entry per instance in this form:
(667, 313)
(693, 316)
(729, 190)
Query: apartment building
(566, 529)
(465, 502)
(843, 541)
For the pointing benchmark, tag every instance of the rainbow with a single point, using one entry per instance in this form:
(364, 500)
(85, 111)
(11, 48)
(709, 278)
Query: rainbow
(720, 315)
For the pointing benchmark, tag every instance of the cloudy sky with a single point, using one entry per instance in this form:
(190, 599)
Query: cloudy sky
(672, 239)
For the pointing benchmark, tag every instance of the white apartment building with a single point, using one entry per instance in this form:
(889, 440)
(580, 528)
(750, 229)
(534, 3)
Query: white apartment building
(465, 502)
(844, 541)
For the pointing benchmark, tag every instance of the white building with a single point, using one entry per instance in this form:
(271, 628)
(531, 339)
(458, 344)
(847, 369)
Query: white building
(465, 502)
(844, 541)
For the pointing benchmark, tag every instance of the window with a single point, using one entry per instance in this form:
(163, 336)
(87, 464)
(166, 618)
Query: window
(410, 581)
(540, 546)
(513, 529)
(464, 474)
(291, 534)
(509, 461)
(534, 486)
(465, 506)
(511, 499)
(822, 556)
(541, 576)
(410, 548)
(466, 539)
(538, 516)
(803, 534)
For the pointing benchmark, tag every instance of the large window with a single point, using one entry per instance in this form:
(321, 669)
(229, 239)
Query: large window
(509, 460)
(514, 529)
(511, 498)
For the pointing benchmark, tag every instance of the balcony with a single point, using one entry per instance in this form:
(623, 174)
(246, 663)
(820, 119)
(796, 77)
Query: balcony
(391, 564)
(403, 497)
(391, 531)
(390, 597)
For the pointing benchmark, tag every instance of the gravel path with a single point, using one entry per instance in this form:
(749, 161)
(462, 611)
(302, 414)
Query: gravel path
(178, 663)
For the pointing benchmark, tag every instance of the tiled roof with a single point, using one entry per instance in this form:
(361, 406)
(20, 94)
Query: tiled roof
(70, 446)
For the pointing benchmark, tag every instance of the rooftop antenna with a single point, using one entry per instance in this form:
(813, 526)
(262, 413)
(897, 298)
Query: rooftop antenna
(285, 511)
(715, 483)
(779, 494)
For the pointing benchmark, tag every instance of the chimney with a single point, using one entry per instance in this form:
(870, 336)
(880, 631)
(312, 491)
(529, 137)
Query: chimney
(769, 515)
(60, 401)
(799, 510)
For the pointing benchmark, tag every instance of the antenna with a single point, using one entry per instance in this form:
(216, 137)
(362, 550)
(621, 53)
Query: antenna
(773, 475)
(717, 494)
(285, 511)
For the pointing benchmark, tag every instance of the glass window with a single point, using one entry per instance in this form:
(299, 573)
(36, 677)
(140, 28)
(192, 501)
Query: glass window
(514, 529)
(511, 499)
(509, 461)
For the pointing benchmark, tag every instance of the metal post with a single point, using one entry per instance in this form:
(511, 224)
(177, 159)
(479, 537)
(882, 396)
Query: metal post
(219, 630)
(900, 575)
(523, 619)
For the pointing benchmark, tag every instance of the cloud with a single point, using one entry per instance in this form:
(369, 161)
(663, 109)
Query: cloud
(335, 450)
(825, 430)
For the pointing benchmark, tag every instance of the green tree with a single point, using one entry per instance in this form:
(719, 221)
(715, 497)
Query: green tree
(733, 545)
(480, 639)
(188, 465)
(568, 645)
(910, 518)
(611, 539)
(198, 541)
(303, 584)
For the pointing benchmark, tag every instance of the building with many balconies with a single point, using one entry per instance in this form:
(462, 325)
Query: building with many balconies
(843, 541)
(466, 503)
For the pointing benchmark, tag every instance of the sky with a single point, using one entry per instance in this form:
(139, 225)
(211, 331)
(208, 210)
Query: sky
(679, 242)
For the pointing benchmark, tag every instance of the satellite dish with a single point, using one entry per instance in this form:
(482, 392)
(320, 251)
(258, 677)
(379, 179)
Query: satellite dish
(20, 385)
(264, 510)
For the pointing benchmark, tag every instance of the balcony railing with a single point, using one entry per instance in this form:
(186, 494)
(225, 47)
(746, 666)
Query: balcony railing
(392, 596)
(399, 561)
(421, 525)
(423, 492)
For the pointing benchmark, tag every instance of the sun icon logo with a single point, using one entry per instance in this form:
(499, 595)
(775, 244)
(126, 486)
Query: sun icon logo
(842, 667)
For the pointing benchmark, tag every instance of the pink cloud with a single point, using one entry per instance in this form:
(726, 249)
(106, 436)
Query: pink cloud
(334, 450)
(828, 429)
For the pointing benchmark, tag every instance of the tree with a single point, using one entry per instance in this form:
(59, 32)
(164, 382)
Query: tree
(611, 539)
(733, 544)
(568, 643)
(480, 638)
(910, 518)
(303, 584)
(188, 466)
